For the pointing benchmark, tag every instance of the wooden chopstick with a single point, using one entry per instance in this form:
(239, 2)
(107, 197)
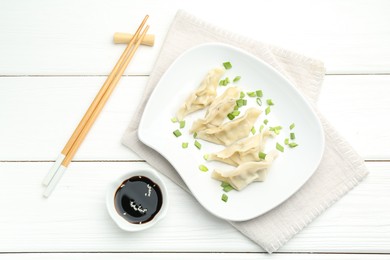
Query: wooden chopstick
(93, 105)
(56, 172)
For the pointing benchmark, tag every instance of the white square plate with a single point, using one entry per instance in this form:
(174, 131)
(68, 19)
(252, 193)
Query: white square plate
(289, 171)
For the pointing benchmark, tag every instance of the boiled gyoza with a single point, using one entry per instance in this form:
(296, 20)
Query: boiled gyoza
(246, 173)
(203, 95)
(218, 110)
(231, 131)
(242, 151)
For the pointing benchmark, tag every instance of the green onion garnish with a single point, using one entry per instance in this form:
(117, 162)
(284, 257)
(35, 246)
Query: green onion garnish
(258, 101)
(286, 141)
(259, 93)
(231, 116)
(240, 102)
(292, 145)
(203, 168)
(269, 102)
(235, 108)
(206, 157)
(224, 184)
(292, 136)
(184, 145)
(224, 82)
(244, 102)
(262, 155)
(228, 188)
(182, 124)
(279, 147)
(261, 128)
(197, 144)
(268, 110)
(235, 113)
(265, 121)
(174, 119)
(292, 126)
(242, 94)
(253, 130)
(251, 94)
(224, 197)
(276, 129)
(195, 134)
(237, 78)
(227, 65)
(177, 133)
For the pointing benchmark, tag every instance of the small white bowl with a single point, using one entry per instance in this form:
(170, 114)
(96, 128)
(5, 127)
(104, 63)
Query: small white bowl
(110, 200)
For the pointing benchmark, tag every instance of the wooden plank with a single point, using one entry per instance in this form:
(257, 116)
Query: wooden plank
(75, 38)
(189, 256)
(357, 106)
(38, 132)
(74, 219)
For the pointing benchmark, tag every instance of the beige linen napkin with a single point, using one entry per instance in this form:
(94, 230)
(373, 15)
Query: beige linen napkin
(339, 171)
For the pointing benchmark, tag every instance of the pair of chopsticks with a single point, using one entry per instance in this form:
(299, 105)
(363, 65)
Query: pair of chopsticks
(63, 160)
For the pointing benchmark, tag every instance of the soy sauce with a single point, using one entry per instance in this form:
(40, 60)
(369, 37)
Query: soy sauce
(138, 199)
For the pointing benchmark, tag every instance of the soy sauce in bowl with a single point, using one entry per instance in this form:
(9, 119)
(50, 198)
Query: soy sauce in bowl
(138, 199)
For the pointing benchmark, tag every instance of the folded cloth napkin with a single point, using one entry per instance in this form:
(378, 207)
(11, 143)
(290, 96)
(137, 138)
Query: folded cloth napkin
(339, 171)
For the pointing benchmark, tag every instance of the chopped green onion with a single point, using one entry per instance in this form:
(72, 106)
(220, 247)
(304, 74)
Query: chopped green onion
(292, 145)
(227, 65)
(236, 107)
(265, 121)
(268, 110)
(174, 119)
(279, 147)
(240, 102)
(253, 130)
(177, 133)
(203, 168)
(195, 134)
(184, 145)
(276, 129)
(237, 78)
(261, 128)
(197, 144)
(182, 124)
(262, 155)
(231, 116)
(286, 141)
(224, 197)
(235, 113)
(292, 136)
(224, 82)
(242, 94)
(224, 184)
(228, 188)
(269, 102)
(206, 157)
(292, 126)
(258, 101)
(259, 93)
(251, 94)
(244, 102)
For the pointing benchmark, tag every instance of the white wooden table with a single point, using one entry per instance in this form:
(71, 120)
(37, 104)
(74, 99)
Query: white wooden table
(55, 55)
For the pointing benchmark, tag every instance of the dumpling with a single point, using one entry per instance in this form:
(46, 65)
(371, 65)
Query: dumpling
(246, 173)
(203, 95)
(242, 151)
(218, 110)
(231, 131)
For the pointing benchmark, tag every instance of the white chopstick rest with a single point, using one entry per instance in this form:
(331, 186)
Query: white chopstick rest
(54, 181)
(53, 170)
